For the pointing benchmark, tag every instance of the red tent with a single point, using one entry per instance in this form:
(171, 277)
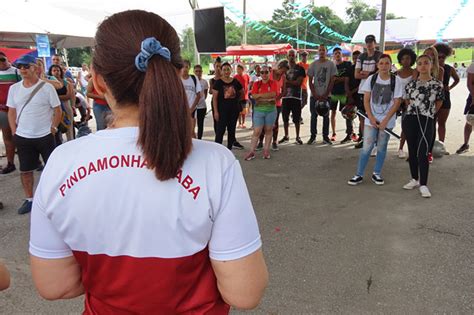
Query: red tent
(258, 50)
(15, 53)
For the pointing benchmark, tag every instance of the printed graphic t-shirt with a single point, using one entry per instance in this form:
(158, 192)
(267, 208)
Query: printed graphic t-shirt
(368, 64)
(228, 94)
(423, 96)
(144, 245)
(322, 72)
(8, 77)
(291, 75)
(343, 71)
(382, 98)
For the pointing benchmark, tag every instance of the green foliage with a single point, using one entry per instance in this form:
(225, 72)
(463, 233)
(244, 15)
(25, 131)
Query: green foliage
(78, 56)
(187, 44)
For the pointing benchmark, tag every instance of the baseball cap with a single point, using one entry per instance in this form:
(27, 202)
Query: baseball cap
(25, 60)
(370, 38)
(303, 53)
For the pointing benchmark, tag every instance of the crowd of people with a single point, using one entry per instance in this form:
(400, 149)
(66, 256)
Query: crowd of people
(174, 198)
(368, 89)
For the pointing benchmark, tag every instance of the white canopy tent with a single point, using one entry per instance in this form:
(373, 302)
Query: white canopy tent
(21, 21)
(421, 30)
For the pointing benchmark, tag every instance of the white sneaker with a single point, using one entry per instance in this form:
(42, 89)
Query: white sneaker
(425, 192)
(402, 154)
(374, 152)
(413, 183)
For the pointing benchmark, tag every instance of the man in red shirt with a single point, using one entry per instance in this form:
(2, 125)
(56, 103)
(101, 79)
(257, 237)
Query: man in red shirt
(304, 86)
(244, 80)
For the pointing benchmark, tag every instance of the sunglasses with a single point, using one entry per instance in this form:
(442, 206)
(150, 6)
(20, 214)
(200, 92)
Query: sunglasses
(264, 72)
(3, 59)
(23, 66)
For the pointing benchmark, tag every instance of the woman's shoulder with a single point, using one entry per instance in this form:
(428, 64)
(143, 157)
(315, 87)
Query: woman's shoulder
(211, 152)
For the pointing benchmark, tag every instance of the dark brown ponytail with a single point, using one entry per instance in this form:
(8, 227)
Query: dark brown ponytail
(164, 123)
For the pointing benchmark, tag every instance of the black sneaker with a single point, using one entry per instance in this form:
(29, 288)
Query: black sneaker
(298, 141)
(259, 146)
(463, 149)
(356, 180)
(25, 207)
(275, 146)
(311, 140)
(359, 145)
(326, 140)
(347, 139)
(376, 178)
(283, 140)
(8, 169)
(237, 145)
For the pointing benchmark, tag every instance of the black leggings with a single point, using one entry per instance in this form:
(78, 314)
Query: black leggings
(419, 135)
(201, 114)
(227, 120)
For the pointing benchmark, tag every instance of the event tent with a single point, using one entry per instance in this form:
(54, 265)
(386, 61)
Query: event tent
(258, 50)
(421, 30)
(21, 21)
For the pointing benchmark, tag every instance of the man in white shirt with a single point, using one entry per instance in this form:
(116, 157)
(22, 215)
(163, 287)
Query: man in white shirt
(202, 106)
(34, 115)
(193, 89)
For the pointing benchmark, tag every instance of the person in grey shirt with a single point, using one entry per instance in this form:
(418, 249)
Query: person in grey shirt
(321, 75)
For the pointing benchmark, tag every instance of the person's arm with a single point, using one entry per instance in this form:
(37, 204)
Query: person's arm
(79, 75)
(396, 105)
(347, 89)
(196, 101)
(57, 116)
(242, 282)
(215, 106)
(57, 278)
(455, 76)
(68, 96)
(329, 89)
(311, 85)
(470, 84)
(368, 110)
(4, 277)
(55, 83)
(90, 91)
(12, 119)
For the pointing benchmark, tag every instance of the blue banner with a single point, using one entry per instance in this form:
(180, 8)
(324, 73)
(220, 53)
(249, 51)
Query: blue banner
(42, 46)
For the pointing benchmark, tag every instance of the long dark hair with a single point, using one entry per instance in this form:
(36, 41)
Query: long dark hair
(164, 118)
(50, 71)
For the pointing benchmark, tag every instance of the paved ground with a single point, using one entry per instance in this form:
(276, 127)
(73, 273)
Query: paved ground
(330, 248)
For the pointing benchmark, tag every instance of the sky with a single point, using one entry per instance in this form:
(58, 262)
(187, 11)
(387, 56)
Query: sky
(179, 14)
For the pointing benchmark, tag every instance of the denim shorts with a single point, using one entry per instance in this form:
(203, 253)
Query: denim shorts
(267, 119)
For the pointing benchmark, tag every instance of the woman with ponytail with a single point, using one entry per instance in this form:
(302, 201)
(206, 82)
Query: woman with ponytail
(138, 217)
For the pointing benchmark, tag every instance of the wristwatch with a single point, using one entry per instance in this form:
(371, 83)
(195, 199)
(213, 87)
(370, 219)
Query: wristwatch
(54, 128)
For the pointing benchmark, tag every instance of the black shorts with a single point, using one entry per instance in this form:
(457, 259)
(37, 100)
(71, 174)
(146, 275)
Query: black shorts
(292, 105)
(446, 100)
(29, 151)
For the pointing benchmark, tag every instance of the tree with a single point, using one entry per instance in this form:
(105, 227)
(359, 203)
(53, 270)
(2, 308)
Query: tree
(77, 56)
(233, 33)
(187, 44)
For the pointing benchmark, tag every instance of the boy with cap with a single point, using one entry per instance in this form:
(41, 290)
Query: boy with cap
(366, 65)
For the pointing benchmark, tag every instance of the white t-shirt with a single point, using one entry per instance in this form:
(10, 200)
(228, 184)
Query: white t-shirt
(191, 89)
(382, 98)
(206, 205)
(470, 69)
(368, 64)
(82, 101)
(83, 80)
(202, 101)
(35, 120)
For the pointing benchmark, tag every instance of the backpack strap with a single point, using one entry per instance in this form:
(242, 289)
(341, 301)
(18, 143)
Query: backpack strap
(373, 80)
(393, 80)
(194, 80)
(33, 93)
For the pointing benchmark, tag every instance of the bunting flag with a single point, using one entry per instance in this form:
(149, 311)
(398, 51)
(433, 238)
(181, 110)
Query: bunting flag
(264, 28)
(440, 33)
(312, 20)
